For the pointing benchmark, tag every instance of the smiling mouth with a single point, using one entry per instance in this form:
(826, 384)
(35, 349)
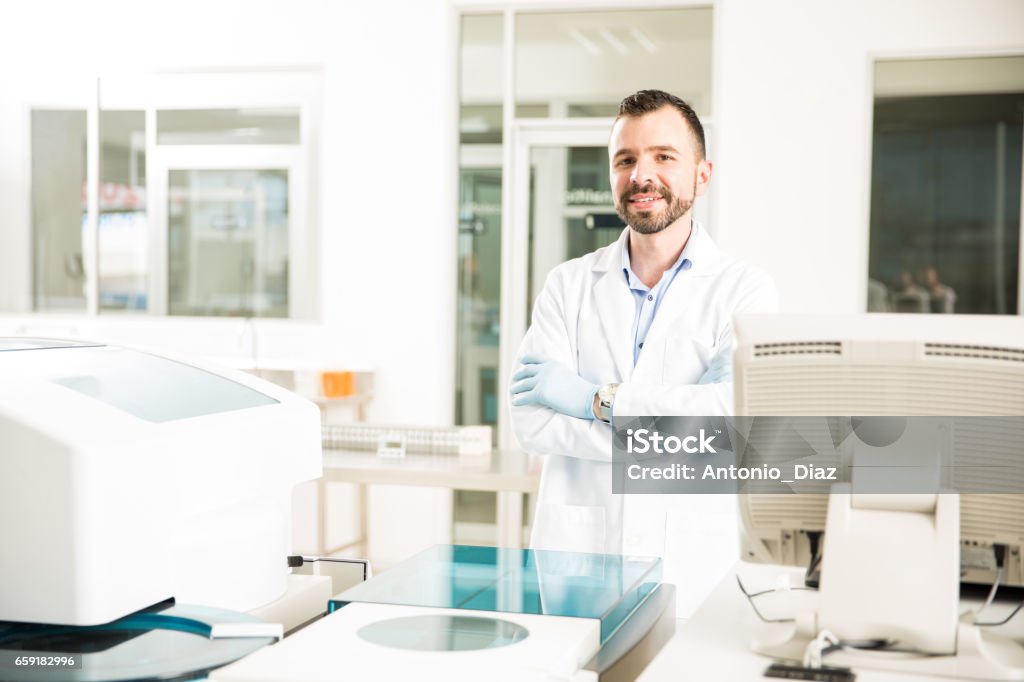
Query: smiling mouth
(641, 202)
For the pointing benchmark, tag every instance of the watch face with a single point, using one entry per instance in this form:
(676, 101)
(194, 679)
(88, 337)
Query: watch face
(606, 393)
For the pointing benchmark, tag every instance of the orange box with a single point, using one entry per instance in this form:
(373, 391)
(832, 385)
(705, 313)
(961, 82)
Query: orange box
(338, 384)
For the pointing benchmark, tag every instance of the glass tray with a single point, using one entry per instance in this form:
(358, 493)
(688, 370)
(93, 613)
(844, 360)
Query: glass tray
(600, 586)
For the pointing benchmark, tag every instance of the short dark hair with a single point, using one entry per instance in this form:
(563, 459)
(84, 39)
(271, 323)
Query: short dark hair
(645, 101)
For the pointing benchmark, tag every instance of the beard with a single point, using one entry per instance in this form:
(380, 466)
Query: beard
(649, 222)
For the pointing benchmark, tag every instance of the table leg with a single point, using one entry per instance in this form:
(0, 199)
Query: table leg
(510, 519)
(321, 512)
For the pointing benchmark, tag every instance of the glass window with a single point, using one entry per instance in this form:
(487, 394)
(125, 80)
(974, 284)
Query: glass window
(567, 65)
(160, 229)
(228, 242)
(123, 224)
(584, 63)
(479, 295)
(228, 126)
(605, 110)
(946, 186)
(571, 209)
(58, 209)
(481, 123)
(479, 258)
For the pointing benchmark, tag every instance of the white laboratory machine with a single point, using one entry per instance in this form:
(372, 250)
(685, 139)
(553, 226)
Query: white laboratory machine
(463, 613)
(129, 479)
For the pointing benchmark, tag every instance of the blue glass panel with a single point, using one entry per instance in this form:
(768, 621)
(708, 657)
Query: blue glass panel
(601, 586)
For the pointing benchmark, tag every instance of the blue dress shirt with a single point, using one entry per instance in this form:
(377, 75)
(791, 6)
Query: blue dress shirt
(648, 300)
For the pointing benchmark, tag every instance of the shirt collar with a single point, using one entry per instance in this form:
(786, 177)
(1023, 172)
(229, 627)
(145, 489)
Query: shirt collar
(684, 262)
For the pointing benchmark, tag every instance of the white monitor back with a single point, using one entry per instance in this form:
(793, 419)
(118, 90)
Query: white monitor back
(881, 364)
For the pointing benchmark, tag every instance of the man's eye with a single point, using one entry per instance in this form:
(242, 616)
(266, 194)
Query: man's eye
(624, 162)
(664, 157)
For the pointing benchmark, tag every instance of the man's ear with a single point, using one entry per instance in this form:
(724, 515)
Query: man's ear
(703, 176)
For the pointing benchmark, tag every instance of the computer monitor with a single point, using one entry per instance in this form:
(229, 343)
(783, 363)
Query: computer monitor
(886, 364)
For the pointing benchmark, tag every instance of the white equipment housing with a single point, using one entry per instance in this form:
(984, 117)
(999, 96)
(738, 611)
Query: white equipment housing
(891, 563)
(884, 364)
(919, 534)
(128, 478)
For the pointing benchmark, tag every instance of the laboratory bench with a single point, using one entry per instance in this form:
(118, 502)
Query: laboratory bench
(715, 643)
(505, 472)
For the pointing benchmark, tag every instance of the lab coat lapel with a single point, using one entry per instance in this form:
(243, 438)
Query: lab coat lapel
(705, 257)
(616, 309)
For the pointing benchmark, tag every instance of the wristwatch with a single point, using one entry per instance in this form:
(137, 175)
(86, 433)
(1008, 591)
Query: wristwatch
(605, 398)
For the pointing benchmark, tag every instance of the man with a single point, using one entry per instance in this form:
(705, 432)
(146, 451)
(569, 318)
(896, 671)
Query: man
(640, 327)
(942, 298)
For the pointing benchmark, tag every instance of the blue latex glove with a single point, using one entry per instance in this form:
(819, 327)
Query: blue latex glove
(720, 369)
(549, 383)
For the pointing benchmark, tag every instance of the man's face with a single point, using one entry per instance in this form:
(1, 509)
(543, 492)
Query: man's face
(655, 174)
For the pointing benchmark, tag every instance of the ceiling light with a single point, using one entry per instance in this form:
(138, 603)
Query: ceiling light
(644, 41)
(591, 47)
(614, 41)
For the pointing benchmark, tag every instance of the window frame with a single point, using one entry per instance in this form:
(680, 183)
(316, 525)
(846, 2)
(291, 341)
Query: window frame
(872, 58)
(299, 88)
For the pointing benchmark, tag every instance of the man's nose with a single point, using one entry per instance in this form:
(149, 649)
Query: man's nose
(643, 172)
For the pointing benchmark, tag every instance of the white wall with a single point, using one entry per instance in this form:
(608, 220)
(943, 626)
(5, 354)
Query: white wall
(387, 203)
(793, 105)
(390, 186)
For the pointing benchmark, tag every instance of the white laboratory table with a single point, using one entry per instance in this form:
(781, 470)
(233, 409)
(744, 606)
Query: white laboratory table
(505, 472)
(715, 643)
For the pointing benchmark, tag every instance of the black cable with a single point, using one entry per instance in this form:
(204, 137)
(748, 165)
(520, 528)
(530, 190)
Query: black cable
(750, 598)
(814, 540)
(297, 561)
(1004, 621)
(999, 550)
(864, 645)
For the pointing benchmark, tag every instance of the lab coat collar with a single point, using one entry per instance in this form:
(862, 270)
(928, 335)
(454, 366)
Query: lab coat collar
(617, 305)
(703, 254)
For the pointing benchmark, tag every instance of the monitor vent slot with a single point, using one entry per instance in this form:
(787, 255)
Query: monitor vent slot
(798, 348)
(953, 350)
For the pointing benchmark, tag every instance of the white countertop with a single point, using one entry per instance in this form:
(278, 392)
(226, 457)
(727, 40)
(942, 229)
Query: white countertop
(715, 643)
(502, 470)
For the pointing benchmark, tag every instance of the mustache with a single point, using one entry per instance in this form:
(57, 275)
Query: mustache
(648, 188)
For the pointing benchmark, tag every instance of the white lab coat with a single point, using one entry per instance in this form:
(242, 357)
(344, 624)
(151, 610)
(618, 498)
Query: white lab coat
(583, 318)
